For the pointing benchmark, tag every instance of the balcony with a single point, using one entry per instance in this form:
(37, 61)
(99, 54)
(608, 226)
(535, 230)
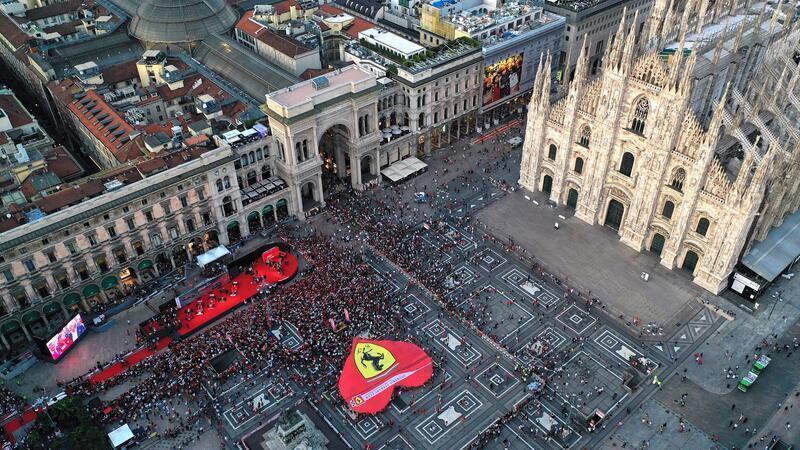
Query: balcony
(262, 189)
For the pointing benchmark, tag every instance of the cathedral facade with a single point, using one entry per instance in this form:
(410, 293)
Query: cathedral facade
(662, 147)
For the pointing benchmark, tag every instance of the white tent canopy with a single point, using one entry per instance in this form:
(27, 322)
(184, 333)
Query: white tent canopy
(120, 436)
(403, 169)
(212, 255)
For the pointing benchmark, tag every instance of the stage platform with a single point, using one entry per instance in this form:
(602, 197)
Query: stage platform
(217, 302)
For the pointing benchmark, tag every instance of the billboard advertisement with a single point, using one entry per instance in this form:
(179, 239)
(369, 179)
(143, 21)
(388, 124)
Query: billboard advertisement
(502, 79)
(65, 338)
(374, 369)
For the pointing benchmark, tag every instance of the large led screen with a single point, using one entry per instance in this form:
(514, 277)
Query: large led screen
(65, 338)
(501, 79)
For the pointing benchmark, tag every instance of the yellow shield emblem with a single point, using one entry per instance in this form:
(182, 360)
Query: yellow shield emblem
(372, 360)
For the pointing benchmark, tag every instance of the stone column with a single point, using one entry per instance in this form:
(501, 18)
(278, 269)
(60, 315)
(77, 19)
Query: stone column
(355, 171)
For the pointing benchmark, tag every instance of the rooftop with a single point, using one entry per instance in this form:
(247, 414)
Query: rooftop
(391, 40)
(175, 21)
(575, 5)
(342, 81)
(13, 109)
(285, 44)
(105, 123)
(53, 9)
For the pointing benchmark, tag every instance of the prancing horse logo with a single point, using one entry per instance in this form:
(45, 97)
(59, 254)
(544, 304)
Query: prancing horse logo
(372, 360)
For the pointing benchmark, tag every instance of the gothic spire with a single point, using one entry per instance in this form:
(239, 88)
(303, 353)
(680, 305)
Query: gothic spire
(775, 14)
(617, 43)
(716, 119)
(628, 53)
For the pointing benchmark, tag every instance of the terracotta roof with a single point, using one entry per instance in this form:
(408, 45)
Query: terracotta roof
(284, 6)
(11, 32)
(69, 196)
(358, 26)
(15, 112)
(3, 138)
(53, 9)
(287, 45)
(120, 72)
(195, 140)
(205, 87)
(330, 9)
(63, 29)
(151, 166)
(60, 162)
(313, 73)
(105, 124)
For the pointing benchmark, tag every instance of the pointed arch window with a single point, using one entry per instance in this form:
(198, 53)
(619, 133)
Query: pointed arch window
(552, 152)
(586, 136)
(640, 116)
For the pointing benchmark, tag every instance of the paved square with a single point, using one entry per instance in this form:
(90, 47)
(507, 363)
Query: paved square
(497, 380)
(576, 319)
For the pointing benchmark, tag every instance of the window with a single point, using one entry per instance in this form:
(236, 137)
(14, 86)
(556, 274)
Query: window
(9, 275)
(149, 216)
(552, 152)
(669, 207)
(702, 226)
(219, 184)
(227, 182)
(83, 271)
(184, 201)
(62, 280)
(162, 194)
(677, 179)
(228, 208)
(206, 219)
(626, 165)
(640, 116)
(138, 247)
(112, 232)
(155, 239)
(244, 161)
(173, 233)
(265, 172)
(201, 194)
(144, 202)
(29, 265)
(51, 256)
(102, 263)
(166, 208)
(579, 165)
(45, 241)
(586, 135)
(41, 289)
(120, 254)
(190, 226)
(21, 298)
(131, 223)
(71, 247)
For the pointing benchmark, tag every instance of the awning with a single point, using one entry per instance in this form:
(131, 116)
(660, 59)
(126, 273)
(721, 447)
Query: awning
(212, 255)
(281, 202)
(31, 316)
(10, 326)
(253, 216)
(109, 282)
(120, 436)
(403, 169)
(267, 211)
(233, 225)
(774, 254)
(91, 290)
(146, 264)
(72, 298)
(51, 307)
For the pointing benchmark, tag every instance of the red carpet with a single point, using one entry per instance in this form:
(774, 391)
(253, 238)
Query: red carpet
(238, 290)
(28, 416)
(218, 302)
(132, 359)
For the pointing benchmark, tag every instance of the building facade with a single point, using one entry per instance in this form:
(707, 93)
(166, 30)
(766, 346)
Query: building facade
(83, 255)
(627, 150)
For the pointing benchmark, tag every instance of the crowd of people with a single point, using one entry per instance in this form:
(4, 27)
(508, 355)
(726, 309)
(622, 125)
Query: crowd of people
(10, 402)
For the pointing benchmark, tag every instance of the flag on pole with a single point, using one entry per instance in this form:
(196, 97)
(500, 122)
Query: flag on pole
(346, 315)
(333, 324)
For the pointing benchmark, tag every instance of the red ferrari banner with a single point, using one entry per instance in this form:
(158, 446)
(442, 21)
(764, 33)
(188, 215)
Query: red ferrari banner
(374, 368)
